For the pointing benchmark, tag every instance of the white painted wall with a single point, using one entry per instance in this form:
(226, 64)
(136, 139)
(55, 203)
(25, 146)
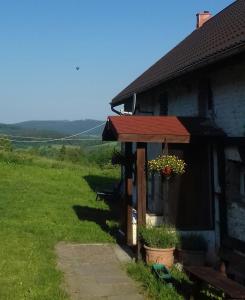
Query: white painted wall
(228, 86)
(229, 95)
(182, 101)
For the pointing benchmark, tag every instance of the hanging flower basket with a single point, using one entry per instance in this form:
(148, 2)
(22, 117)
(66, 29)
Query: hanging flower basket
(167, 165)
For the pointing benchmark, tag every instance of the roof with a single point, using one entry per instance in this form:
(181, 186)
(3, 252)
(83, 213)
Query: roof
(157, 129)
(221, 36)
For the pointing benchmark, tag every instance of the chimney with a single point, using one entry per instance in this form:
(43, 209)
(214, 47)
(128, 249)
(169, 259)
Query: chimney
(203, 17)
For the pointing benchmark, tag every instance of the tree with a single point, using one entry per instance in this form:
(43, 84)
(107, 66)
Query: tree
(5, 144)
(62, 153)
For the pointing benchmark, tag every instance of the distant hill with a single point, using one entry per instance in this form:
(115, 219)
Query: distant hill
(63, 126)
(51, 129)
(16, 131)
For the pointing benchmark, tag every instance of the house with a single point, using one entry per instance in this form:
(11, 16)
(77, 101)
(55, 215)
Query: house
(191, 103)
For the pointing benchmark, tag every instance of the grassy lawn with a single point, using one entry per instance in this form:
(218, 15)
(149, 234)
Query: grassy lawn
(154, 288)
(43, 202)
(180, 288)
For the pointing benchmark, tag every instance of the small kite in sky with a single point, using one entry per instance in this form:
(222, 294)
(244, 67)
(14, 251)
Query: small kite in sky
(77, 68)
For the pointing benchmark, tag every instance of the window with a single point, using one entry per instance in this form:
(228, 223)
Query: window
(205, 98)
(163, 101)
(210, 97)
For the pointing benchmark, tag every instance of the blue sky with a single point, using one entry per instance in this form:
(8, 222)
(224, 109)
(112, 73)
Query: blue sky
(112, 41)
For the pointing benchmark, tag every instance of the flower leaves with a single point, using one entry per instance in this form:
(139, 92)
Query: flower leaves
(163, 162)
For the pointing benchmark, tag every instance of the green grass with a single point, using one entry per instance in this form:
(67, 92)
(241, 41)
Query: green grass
(154, 288)
(43, 202)
(181, 289)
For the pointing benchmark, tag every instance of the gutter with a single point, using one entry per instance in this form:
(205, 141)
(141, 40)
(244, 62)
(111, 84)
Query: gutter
(122, 112)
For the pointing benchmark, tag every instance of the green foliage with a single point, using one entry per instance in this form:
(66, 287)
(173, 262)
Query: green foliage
(171, 163)
(15, 158)
(5, 144)
(40, 204)
(18, 130)
(74, 154)
(154, 288)
(97, 155)
(158, 290)
(163, 236)
(102, 155)
(193, 241)
(62, 152)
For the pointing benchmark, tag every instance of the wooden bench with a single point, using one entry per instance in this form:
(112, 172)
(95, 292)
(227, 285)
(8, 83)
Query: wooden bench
(231, 289)
(104, 194)
(115, 192)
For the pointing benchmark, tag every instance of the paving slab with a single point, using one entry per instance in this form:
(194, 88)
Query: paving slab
(95, 272)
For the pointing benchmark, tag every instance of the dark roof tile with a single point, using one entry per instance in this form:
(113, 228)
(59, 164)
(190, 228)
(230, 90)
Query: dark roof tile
(214, 40)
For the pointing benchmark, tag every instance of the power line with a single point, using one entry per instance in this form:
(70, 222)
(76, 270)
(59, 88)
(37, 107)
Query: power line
(72, 139)
(45, 140)
(25, 137)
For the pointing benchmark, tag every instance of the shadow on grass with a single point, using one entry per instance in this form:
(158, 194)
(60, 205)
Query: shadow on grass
(107, 219)
(183, 286)
(99, 216)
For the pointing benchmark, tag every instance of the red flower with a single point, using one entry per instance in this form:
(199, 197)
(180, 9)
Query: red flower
(167, 171)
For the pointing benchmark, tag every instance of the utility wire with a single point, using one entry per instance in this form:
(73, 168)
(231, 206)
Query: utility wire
(24, 137)
(70, 139)
(45, 140)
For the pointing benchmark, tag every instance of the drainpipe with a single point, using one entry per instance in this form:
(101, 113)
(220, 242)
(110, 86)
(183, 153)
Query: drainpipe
(134, 103)
(114, 110)
(122, 112)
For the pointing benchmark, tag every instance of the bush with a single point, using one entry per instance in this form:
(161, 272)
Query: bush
(5, 144)
(15, 158)
(163, 236)
(193, 241)
(62, 152)
(101, 155)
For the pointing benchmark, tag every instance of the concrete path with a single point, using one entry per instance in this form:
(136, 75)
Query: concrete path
(94, 272)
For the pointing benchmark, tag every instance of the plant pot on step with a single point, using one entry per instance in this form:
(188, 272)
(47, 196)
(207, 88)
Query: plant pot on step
(160, 256)
(159, 243)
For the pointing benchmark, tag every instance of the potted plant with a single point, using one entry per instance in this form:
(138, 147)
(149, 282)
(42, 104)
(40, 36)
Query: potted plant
(192, 249)
(159, 243)
(167, 165)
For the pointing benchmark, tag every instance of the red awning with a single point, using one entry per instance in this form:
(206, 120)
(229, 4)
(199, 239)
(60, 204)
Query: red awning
(155, 129)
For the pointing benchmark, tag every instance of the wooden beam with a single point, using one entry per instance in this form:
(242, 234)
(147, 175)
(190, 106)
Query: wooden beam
(222, 182)
(141, 191)
(128, 194)
(154, 138)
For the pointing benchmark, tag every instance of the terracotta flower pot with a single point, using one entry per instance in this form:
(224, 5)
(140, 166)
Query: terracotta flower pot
(192, 257)
(158, 255)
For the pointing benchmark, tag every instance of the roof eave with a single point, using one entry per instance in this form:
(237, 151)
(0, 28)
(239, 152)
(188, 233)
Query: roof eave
(118, 100)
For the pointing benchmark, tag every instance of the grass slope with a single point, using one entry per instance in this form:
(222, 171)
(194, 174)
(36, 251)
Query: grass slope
(41, 203)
